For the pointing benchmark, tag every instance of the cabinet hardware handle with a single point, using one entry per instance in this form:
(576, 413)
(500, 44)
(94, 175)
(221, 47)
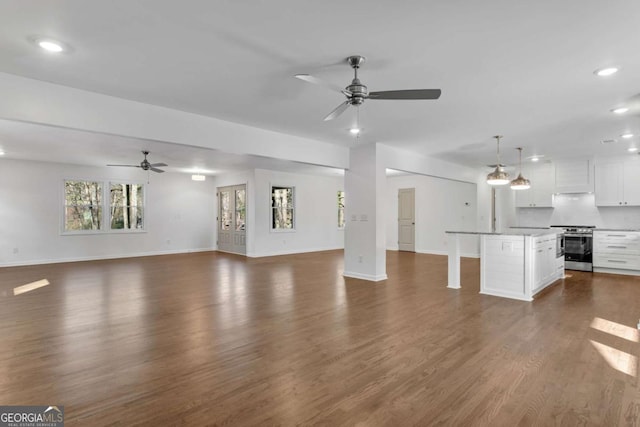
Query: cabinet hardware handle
(618, 260)
(539, 250)
(625, 203)
(616, 235)
(618, 247)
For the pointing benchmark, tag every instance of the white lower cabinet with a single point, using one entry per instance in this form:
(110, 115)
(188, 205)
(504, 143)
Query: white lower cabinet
(617, 250)
(518, 266)
(544, 265)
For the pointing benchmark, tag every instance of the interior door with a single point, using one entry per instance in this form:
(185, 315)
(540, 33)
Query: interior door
(232, 219)
(406, 219)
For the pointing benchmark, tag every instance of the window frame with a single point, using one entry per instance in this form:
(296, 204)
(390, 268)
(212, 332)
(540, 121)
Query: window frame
(105, 218)
(293, 209)
(108, 208)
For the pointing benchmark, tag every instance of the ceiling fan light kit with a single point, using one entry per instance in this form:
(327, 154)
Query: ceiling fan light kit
(357, 93)
(498, 176)
(520, 183)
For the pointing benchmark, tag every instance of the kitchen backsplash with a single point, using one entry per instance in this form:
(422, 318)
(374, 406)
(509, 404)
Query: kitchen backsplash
(578, 209)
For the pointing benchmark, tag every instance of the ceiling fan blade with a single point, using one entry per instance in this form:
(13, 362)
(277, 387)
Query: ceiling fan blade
(127, 166)
(337, 111)
(316, 81)
(406, 94)
(156, 170)
(158, 164)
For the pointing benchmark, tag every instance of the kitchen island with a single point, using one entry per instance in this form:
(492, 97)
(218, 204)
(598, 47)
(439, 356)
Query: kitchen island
(515, 264)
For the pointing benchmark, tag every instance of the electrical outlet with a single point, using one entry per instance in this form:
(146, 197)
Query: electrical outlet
(360, 259)
(168, 242)
(15, 250)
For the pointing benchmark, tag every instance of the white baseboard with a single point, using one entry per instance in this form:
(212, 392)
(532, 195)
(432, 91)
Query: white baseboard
(503, 294)
(290, 252)
(616, 271)
(101, 257)
(369, 277)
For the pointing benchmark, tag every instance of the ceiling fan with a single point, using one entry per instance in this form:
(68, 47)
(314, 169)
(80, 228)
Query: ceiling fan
(145, 165)
(357, 93)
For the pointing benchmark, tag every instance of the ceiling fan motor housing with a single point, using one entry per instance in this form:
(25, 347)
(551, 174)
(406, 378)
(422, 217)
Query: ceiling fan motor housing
(359, 92)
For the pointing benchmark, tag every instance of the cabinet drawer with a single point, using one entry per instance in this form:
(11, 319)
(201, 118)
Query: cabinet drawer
(616, 237)
(628, 247)
(627, 262)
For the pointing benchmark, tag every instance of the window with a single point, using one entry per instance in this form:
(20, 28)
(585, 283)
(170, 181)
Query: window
(126, 206)
(240, 209)
(82, 205)
(282, 208)
(225, 211)
(93, 206)
(340, 209)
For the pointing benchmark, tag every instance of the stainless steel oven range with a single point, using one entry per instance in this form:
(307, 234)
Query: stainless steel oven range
(578, 246)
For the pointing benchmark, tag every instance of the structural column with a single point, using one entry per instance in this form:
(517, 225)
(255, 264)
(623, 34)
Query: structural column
(365, 201)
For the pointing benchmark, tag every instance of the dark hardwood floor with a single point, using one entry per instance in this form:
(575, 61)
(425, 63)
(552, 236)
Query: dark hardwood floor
(217, 339)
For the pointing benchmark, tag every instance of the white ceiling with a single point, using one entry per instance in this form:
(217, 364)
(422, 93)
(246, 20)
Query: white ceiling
(522, 69)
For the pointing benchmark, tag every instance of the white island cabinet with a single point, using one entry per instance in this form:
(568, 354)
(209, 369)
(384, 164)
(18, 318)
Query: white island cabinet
(517, 264)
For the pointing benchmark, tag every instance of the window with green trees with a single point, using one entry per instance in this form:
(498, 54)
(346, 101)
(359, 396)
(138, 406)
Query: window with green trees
(282, 208)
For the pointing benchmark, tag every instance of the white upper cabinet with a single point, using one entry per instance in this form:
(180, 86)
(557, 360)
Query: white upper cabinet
(540, 195)
(617, 183)
(574, 176)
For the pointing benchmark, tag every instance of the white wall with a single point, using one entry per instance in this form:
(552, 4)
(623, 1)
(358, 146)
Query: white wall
(365, 209)
(180, 215)
(316, 214)
(579, 209)
(440, 205)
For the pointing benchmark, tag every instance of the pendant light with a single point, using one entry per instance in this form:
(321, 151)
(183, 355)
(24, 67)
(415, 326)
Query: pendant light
(498, 176)
(520, 183)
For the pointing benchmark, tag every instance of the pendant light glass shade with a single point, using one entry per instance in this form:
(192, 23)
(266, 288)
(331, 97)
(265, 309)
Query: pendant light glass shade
(520, 183)
(498, 176)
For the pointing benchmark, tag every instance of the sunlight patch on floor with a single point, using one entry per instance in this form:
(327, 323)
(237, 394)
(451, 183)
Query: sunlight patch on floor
(618, 360)
(30, 287)
(617, 329)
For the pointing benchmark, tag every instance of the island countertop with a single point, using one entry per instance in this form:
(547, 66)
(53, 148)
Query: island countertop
(511, 232)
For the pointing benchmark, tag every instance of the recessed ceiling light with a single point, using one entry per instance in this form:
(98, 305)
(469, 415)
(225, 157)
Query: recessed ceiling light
(198, 177)
(354, 131)
(535, 159)
(50, 45)
(604, 72)
(632, 149)
(627, 135)
(620, 110)
(1, 153)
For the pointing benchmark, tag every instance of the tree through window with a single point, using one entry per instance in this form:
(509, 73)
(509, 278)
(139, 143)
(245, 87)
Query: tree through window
(282, 207)
(82, 205)
(126, 206)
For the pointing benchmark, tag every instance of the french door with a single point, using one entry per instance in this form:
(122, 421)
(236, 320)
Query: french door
(232, 219)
